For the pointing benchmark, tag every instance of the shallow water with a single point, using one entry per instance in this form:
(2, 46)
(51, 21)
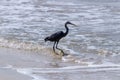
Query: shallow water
(25, 24)
(95, 41)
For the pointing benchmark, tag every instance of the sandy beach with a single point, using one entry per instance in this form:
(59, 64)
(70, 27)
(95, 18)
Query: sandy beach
(10, 74)
(11, 60)
(26, 65)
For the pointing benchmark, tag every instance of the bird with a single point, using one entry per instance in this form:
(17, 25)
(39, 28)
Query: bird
(56, 37)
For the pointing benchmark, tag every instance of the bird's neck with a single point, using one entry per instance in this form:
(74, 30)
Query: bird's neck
(67, 30)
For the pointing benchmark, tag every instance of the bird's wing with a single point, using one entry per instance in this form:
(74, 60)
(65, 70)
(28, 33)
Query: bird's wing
(57, 34)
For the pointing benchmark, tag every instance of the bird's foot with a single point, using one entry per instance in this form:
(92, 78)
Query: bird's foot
(56, 53)
(64, 54)
(61, 53)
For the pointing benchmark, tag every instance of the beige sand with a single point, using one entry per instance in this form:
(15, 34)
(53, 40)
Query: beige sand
(11, 60)
(9, 74)
(28, 65)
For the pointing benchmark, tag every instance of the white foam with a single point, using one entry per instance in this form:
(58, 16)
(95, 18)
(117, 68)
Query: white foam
(69, 69)
(28, 72)
(107, 66)
(69, 58)
(81, 36)
(92, 47)
(59, 3)
(70, 50)
(6, 66)
(92, 68)
(19, 45)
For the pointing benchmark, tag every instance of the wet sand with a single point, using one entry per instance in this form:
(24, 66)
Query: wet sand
(11, 60)
(10, 74)
(28, 65)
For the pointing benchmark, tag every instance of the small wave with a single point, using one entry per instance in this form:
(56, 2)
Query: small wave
(60, 3)
(72, 58)
(6, 66)
(69, 69)
(20, 45)
(28, 72)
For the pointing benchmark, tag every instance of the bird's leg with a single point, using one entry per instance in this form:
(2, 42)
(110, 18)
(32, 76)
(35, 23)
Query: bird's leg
(54, 48)
(60, 49)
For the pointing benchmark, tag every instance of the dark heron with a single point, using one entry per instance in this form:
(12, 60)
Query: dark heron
(57, 36)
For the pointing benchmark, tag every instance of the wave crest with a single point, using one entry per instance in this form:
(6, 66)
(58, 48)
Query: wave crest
(20, 45)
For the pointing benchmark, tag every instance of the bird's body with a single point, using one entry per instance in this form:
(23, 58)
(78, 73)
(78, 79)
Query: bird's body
(57, 36)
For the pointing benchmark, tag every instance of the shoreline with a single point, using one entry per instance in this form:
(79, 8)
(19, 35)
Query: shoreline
(10, 74)
(13, 59)
(27, 65)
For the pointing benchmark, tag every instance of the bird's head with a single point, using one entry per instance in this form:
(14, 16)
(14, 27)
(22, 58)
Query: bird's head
(46, 39)
(68, 22)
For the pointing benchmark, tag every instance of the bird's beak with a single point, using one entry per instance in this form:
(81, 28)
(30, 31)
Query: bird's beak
(73, 24)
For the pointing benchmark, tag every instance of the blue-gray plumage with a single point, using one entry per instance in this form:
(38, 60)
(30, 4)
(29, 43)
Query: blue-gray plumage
(57, 36)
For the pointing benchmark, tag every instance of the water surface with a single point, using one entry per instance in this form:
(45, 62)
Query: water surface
(96, 41)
